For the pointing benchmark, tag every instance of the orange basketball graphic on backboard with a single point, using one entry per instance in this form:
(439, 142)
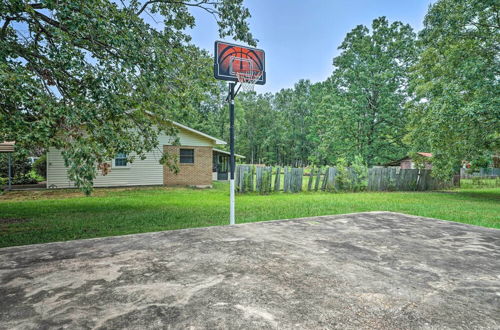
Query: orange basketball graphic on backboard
(231, 60)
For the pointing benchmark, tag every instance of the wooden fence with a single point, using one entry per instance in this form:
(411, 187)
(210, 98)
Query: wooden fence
(292, 180)
(489, 172)
(395, 179)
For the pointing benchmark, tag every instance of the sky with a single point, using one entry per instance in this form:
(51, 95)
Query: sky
(301, 37)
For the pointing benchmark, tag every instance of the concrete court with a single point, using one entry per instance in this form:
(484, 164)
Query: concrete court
(376, 270)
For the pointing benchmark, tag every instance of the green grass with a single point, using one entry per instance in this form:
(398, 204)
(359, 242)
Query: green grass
(479, 182)
(47, 216)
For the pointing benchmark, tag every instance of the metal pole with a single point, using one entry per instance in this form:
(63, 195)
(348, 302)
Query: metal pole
(231, 159)
(10, 170)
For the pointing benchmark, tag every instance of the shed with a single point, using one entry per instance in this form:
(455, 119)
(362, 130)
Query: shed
(409, 163)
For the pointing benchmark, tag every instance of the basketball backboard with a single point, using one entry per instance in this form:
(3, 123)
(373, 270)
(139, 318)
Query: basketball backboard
(234, 62)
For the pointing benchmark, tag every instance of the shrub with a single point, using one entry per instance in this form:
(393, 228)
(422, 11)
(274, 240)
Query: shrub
(40, 166)
(265, 187)
(342, 177)
(20, 165)
(248, 180)
(24, 179)
(360, 173)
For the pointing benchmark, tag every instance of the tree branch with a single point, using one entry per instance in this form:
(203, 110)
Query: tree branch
(60, 26)
(3, 32)
(197, 4)
(37, 6)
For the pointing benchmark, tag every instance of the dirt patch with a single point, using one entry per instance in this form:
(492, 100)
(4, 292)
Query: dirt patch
(5, 221)
(70, 193)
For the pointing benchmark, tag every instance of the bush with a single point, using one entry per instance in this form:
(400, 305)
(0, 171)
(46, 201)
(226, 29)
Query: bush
(360, 173)
(40, 166)
(353, 178)
(20, 165)
(342, 177)
(265, 187)
(24, 179)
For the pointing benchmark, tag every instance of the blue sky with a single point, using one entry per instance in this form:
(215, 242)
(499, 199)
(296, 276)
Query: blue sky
(301, 37)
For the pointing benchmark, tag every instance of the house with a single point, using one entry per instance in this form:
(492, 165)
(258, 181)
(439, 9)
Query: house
(409, 163)
(199, 164)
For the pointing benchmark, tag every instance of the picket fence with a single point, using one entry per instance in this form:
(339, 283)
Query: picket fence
(291, 180)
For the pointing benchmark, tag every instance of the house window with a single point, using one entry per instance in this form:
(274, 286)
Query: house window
(187, 156)
(121, 160)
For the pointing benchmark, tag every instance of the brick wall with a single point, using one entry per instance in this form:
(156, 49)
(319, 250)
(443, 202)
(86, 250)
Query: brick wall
(198, 174)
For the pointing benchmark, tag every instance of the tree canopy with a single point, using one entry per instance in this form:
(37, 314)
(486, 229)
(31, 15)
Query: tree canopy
(455, 109)
(361, 112)
(94, 78)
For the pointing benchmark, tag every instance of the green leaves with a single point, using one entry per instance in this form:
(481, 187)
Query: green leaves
(93, 78)
(361, 111)
(455, 112)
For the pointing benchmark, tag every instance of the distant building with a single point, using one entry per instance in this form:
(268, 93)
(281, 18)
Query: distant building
(409, 163)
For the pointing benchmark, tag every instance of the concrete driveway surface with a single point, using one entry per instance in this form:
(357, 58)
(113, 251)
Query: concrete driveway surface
(366, 270)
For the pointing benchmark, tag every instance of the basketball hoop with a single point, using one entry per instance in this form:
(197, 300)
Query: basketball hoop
(248, 79)
(246, 65)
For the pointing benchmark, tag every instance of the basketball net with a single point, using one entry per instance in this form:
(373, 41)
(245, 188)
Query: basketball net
(248, 78)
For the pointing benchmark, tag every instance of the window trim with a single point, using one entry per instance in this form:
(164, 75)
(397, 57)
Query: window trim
(113, 163)
(180, 156)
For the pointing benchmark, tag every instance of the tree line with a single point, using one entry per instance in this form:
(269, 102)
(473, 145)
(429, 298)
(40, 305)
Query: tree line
(392, 93)
(94, 78)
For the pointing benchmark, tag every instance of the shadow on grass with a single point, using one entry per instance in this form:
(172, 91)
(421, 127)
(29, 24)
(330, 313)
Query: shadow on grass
(480, 195)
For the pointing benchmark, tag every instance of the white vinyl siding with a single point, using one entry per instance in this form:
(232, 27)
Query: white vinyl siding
(141, 172)
(187, 138)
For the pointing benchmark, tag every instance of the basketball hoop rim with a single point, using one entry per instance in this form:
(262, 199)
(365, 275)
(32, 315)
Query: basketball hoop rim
(249, 74)
(248, 79)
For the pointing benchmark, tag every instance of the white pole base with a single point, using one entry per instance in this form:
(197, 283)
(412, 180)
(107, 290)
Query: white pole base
(231, 202)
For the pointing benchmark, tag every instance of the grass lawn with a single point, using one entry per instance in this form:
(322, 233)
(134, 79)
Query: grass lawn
(48, 216)
(479, 182)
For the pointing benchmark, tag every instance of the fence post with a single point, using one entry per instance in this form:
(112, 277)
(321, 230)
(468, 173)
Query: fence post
(311, 176)
(269, 178)
(299, 177)
(252, 175)
(285, 179)
(325, 179)
(258, 179)
(318, 180)
(331, 184)
(277, 179)
(368, 185)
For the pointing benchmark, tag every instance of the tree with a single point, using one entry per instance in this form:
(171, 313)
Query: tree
(93, 78)
(20, 165)
(254, 123)
(296, 105)
(361, 112)
(455, 110)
